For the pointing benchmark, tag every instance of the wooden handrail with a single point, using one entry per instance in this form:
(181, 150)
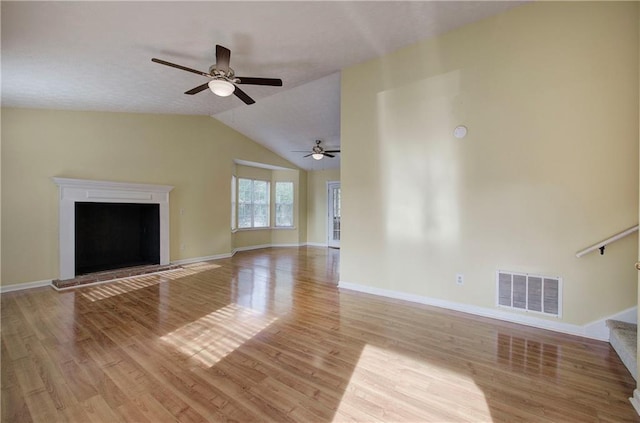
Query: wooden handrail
(600, 246)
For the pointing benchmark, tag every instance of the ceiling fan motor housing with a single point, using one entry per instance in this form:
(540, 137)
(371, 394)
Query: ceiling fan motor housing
(220, 74)
(316, 148)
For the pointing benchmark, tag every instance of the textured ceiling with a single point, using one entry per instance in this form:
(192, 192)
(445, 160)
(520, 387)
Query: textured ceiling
(97, 56)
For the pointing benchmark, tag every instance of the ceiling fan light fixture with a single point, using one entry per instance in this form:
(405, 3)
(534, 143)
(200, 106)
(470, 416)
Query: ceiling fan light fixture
(221, 87)
(317, 156)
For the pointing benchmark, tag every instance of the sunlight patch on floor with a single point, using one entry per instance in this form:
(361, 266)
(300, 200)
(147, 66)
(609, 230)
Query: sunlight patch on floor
(188, 270)
(201, 266)
(107, 290)
(212, 337)
(390, 386)
(110, 289)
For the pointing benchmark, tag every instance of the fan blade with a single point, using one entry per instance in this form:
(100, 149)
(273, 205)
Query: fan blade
(331, 151)
(308, 155)
(299, 151)
(260, 81)
(328, 155)
(184, 68)
(223, 55)
(198, 89)
(243, 96)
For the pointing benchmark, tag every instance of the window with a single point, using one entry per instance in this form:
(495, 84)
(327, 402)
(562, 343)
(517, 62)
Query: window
(284, 204)
(253, 203)
(234, 224)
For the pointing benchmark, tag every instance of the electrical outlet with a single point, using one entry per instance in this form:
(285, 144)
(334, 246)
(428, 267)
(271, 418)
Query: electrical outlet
(459, 279)
(182, 247)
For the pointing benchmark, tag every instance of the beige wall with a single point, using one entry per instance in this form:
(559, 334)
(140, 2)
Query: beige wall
(193, 153)
(303, 195)
(0, 204)
(638, 256)
(549, 92)
(247, 238)
(317, 204)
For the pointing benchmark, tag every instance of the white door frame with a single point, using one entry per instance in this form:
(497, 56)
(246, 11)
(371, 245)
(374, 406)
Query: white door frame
(330, 241)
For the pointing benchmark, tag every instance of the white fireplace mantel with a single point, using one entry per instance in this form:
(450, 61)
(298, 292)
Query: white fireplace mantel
(83, 190)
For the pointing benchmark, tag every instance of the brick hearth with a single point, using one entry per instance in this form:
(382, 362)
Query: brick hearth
(111, 275)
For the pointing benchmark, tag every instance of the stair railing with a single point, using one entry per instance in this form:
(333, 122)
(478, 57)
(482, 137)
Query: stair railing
(602, 244)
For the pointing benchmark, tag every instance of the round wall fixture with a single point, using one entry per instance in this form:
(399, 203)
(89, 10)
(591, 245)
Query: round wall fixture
(460, 131)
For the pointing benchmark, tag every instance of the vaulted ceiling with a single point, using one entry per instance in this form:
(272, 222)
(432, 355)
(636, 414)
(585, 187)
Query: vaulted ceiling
(96, 56)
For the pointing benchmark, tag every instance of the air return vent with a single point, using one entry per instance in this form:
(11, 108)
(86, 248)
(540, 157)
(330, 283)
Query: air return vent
(534, 293)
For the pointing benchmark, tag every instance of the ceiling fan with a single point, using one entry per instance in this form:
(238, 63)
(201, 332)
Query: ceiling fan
(318, 152)
(224, 81)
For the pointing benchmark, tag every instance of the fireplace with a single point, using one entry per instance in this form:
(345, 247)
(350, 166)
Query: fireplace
(111, 225)
(116, 235)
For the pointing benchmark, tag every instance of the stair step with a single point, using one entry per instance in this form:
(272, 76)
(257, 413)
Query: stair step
(623, 338)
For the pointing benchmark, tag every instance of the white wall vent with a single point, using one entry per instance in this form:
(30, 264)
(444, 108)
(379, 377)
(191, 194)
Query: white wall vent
(533, 293)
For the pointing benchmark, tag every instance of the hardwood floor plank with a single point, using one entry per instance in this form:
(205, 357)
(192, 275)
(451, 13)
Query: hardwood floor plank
(179, 409)
(27, 376)
(130, 412)
(14, 346)
(72, 414)
(268, 337)
(41, 407)
(153, 410)
(103, 384)
(193, 389)
(98, 411)
(78, 380)
(14, 406)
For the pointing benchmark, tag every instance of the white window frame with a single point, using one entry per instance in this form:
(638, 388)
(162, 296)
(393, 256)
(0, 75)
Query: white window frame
(234, 203)
(252, 203)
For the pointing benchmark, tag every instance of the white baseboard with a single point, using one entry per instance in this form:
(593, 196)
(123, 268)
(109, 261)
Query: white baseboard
(599, 329)
(317, 244)
(595, 330)
(250, 247)
(26, 285)
(289, 245)
(199, 259)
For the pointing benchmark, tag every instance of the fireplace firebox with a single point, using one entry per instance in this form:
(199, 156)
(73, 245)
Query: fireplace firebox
(115, 235)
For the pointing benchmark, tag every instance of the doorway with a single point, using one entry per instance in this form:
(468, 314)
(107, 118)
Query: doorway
(333, 222)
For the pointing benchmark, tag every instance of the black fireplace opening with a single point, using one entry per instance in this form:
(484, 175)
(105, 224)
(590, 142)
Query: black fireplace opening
(116, 235)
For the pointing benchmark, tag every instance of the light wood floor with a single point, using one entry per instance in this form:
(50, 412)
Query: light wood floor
(267, 336)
